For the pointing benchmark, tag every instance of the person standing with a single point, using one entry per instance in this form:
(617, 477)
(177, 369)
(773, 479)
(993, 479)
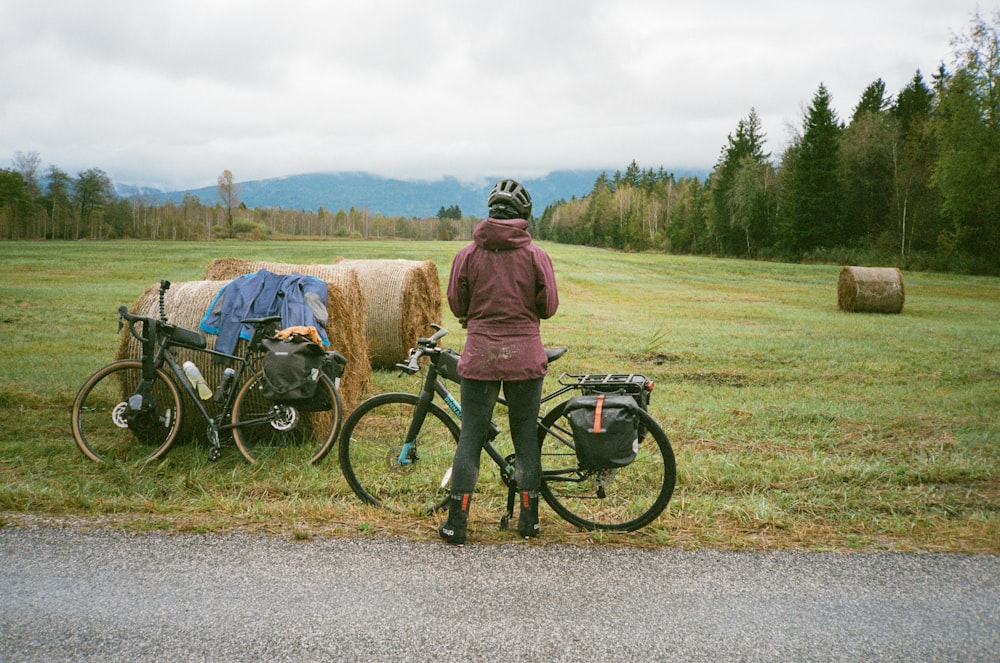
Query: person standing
(501, 285)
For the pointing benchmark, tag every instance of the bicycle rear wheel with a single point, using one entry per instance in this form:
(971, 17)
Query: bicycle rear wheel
(374, 462)
(621, 499)
(265, 431)
(104, 428)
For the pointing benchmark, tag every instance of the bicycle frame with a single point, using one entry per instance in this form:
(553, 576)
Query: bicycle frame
(217, 423)
(157, 342)
(394, 449)
(433, 385)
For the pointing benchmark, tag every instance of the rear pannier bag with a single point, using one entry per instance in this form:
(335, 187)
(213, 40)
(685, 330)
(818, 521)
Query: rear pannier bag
(605, 429)
(292, 369)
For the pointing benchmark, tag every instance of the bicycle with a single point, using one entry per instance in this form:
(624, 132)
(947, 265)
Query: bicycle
(132, 410)
(396, 449)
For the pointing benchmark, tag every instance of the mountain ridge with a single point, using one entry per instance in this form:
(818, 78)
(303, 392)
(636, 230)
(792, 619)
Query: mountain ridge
(384, 195)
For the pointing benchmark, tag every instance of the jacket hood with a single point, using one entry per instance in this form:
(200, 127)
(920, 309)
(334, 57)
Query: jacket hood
(501, 234)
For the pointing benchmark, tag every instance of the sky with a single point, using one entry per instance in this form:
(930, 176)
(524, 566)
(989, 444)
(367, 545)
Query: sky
(169, 93)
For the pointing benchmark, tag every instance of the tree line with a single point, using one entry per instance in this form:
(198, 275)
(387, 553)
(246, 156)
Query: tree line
(911, 180)
(55, 206)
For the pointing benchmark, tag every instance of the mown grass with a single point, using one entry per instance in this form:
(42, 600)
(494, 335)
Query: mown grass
(795, 425)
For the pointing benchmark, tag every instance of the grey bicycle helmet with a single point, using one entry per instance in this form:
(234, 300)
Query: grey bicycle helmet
(510, 200)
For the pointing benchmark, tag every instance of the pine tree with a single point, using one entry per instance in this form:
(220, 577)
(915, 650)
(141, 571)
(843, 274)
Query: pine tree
(873, 100)
(916, 204)
(868, 146)
(744, 149)
(967, 132)
(813, 213)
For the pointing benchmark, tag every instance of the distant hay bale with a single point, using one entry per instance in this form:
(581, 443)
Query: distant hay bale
(348, 313)
(870, 290)
(404, 299)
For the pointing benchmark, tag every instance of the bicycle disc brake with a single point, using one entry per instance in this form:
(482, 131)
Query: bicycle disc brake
(118, 415)
(285, 418)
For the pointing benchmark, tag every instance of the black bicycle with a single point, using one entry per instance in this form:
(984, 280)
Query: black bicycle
(396, 449)
(132, 410)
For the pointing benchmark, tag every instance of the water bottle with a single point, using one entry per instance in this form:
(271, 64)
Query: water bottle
(222, 391)
(197, 381)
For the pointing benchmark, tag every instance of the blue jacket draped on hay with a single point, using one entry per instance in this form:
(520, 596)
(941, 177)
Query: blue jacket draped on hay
(298, 299)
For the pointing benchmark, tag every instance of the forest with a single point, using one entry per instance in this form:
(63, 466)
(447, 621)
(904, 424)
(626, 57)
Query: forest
(910, 179)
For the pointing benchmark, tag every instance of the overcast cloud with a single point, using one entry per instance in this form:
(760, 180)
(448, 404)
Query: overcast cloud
(169, 93)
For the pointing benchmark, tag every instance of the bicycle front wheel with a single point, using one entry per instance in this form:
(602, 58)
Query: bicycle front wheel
(620, 499)
(265, 431)
(107, 431)
(385, 469)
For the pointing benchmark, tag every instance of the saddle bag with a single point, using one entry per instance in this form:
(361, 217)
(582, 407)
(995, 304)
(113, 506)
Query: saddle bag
(605, 429)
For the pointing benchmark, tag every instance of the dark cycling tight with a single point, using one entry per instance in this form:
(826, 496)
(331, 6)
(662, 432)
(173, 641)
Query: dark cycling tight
(478, 400)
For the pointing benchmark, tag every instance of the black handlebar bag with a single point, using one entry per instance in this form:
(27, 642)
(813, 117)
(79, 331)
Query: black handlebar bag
(605, 429)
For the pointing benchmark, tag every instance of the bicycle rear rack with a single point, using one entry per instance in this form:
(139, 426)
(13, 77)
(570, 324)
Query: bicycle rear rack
(627, 382)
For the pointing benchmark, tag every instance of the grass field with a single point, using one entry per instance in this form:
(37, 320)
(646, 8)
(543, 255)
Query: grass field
(795, 425)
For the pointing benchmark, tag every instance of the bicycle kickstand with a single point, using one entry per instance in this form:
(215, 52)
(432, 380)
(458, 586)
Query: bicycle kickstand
(511, 496)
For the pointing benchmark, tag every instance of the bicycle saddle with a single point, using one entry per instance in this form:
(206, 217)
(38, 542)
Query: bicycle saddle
(554, 353)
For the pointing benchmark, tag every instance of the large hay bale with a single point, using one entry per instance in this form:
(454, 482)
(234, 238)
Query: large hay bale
(346, 304)
(404, 299)
(870, 290)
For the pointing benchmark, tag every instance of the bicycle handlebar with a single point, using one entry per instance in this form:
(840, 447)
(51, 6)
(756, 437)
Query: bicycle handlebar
(411, 365)
(152, 328)
(124, 315)
(431, 342)
(424, 345)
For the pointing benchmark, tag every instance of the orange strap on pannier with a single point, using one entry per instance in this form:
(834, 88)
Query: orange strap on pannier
(597, 413)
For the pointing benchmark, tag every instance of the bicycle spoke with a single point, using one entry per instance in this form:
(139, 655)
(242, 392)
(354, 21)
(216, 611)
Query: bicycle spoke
(105, 428)
(383, 469)
(265, 431)
(624, 498)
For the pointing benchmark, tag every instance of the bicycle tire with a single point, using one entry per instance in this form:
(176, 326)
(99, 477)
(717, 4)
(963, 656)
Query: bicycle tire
(265, 431)
(370, 448)
(632, 497)
(98, 415)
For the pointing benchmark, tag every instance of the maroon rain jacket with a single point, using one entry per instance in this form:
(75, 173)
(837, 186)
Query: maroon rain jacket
(503, 284)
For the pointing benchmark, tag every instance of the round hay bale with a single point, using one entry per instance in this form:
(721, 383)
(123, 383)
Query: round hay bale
(870, 290)
(404, 299)
(347, 308)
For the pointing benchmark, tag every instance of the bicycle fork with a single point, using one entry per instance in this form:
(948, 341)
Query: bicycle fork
(408, 454)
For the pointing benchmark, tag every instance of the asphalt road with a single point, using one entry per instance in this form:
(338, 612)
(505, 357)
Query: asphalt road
(71, 595)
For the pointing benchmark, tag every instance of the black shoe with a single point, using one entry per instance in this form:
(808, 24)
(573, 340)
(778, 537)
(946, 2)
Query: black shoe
(453, 529)
(527, 522)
